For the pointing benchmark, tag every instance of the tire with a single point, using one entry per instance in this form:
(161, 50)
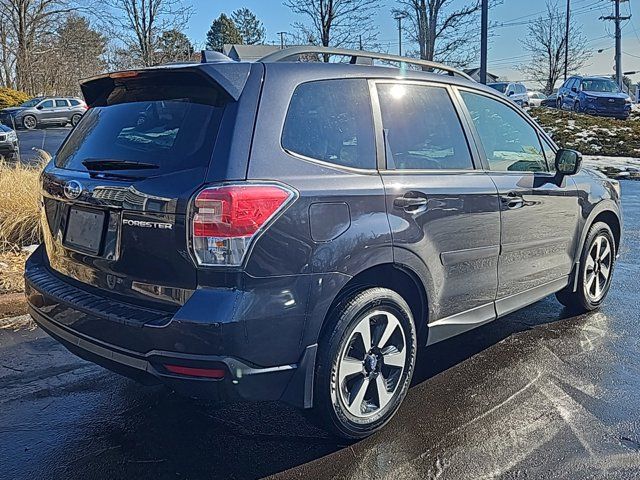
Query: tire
(577, 108)
(75, 119)
(29, 122)
(559, 103)
(346, 371)
(594, 277)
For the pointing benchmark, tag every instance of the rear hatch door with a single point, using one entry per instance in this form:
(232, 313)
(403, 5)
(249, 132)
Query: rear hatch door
(117, 193)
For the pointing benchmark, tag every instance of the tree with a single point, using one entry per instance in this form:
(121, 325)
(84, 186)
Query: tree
(25, 26)
(443, 32)
(250, 28)
(78, 52)
(174, 46)
(223, 31)
(140, 24)
(546, 44)
(337, 23)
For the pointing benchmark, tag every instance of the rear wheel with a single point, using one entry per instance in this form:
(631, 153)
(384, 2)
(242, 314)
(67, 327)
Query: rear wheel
(75, 119)
(365, 363)
(595, 273)
(29, 122)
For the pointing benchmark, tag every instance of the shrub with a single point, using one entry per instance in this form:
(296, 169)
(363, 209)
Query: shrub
(19, 206)
(10, 97)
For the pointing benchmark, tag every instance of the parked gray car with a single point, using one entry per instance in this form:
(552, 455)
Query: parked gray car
(41, 111)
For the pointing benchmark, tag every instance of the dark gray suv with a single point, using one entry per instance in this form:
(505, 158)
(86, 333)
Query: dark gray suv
(297, 231)
(43, 111)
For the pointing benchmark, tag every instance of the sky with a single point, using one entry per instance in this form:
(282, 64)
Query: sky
(508, 19)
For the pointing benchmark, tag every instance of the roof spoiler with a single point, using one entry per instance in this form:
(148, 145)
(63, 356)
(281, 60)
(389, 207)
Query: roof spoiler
(229, 76)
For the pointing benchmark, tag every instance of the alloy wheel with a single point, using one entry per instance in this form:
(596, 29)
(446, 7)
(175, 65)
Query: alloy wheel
(371, 364)
(29, 122)
(597, 272)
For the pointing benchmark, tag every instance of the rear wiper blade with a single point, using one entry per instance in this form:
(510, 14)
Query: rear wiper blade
(113, 164)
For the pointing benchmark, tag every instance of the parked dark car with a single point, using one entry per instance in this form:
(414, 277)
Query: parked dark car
(551, 101)
(595, 96)
(296, 231)
(8, 143)
(516, 91)
(43, 111)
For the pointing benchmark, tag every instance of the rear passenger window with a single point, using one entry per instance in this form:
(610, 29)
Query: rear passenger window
(61, 103)
(74, 103)
(330, 120)
(422, 129)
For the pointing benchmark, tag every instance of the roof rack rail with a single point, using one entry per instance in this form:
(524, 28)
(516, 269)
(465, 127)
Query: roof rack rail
(357, 56)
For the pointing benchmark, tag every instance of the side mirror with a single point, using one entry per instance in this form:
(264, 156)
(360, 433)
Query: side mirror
(510, 94)
(39, 107)
(574, 89)
(568, 162)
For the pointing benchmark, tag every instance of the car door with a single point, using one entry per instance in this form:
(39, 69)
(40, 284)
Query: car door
(443, 213)
(539, 209)
(62, 110)
(46, 111)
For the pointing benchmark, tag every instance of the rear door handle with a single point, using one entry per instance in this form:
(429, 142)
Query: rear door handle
(512, 200)
(411, 204)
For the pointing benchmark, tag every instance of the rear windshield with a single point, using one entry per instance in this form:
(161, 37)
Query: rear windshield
(172, 134)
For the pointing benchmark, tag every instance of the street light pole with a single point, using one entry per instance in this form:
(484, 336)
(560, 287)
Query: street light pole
(282, 34)
(484, 40)
(566, 40)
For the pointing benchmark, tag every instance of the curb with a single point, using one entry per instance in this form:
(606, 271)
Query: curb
(12, 305)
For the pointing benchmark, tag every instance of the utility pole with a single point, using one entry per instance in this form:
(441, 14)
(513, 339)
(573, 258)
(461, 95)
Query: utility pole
(484, 41)
(566, 40)
(282, 34)
(399, 16)
(617, 18)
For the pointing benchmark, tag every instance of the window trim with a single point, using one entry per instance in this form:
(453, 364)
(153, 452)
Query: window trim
(324, 163)
(541, 134)
(379, 130)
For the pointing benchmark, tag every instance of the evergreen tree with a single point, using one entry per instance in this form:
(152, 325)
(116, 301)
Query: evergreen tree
(251, 29)
(223, 31)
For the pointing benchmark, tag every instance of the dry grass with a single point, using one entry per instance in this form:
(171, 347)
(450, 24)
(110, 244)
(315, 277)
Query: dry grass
(11, 271)
(19, 206)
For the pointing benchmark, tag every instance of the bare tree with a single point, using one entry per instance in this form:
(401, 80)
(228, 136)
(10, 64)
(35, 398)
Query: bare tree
(337, 23)
(25, 26)
(445, 30)
(141, 24)
(546, 44)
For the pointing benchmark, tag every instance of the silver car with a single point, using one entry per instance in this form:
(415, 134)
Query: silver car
(43, 111)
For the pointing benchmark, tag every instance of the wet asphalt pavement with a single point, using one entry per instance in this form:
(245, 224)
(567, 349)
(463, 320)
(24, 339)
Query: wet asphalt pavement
(47, 139)
(537, 394)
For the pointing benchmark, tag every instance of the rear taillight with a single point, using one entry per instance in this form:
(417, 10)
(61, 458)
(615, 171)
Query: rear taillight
(227, 219)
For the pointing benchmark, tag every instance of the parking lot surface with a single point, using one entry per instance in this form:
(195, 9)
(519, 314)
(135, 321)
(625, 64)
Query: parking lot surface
(47, 139)
(537, 394)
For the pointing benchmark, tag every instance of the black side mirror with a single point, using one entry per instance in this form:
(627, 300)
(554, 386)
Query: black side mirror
(574, 89)
(39, 107)
(568, 162)
(510, 93)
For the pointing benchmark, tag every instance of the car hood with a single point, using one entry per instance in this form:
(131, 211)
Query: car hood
(5, 129)
(13, 110)
(605, 94)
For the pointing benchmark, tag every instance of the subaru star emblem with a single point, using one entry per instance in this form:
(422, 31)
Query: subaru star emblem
(72, 189)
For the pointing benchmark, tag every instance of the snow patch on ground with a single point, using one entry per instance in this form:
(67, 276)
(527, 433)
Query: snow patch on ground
(615, 167)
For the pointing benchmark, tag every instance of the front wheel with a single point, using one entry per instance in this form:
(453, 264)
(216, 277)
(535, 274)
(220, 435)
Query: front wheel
(576, 107)
(29, 122)
(559, 103)
(365, 363)
(595, 272)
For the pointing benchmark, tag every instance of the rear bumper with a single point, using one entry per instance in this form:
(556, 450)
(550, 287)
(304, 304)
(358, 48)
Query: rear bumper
(104, 331)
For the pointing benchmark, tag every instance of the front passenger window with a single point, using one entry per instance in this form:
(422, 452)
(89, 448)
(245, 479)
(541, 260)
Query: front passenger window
(510, 143)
